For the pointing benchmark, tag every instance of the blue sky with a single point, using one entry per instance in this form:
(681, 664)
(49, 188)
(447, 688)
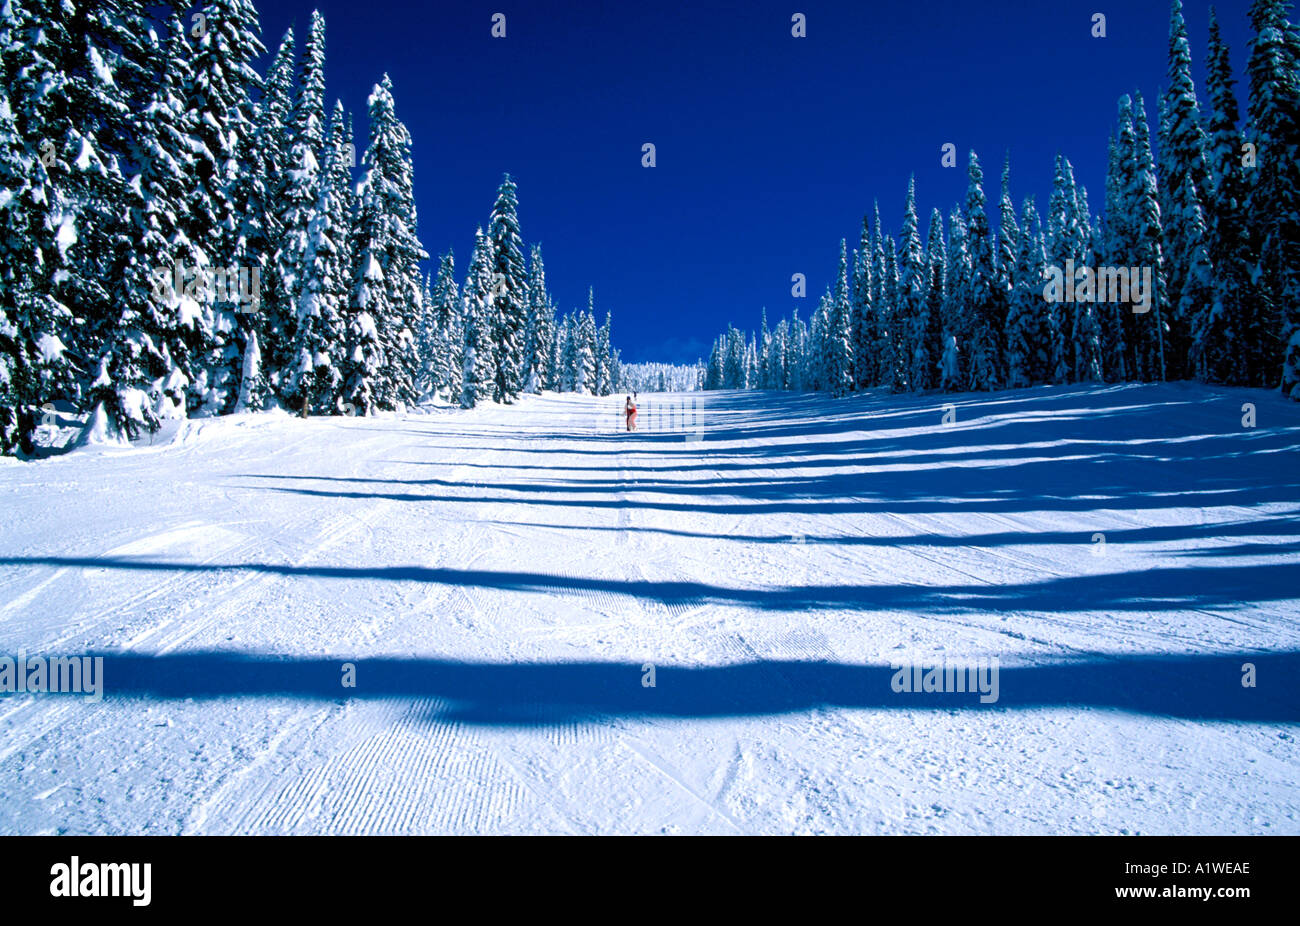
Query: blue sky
(769, 148)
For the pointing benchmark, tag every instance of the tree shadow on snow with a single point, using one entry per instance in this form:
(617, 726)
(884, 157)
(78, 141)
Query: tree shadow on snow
(1204, 687)
(1034, 451)
(1225, 587)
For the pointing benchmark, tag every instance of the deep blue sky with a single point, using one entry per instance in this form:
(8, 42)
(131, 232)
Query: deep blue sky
(770, 148)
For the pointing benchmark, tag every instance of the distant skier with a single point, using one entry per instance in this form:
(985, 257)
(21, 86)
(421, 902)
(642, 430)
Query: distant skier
(630, 410)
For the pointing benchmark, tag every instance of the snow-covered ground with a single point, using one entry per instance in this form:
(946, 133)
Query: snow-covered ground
(502, 581)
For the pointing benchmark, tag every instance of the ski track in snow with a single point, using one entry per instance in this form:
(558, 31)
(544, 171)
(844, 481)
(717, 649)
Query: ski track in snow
(770, 533)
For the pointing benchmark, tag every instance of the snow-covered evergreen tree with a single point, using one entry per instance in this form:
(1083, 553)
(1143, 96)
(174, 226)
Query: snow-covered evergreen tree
(1027, 356)
(797, 354)
(1274, 129)
(950, 365)
(865, 334)
(893, 355)
(258, 192)
(76, 78)
(1075, 337)
(1112, 235)
(1061, 244)
(585, 347)
(1182, 163)
(167, 166)
(1087, 326)
(604, 358)
(365, 358)
(881, 294)
(478, 360)
(539, 332)
(1231, 338)
(555, 366)
(1008, 230)
(318, 357)
(713, 370)
(295, 260)
(780, 357)
(387, 252)
(764, 351)
(909, 325)
(1197, 307)
(132, 336)
(1142, 203)
(955, 314)
(984, 353)
(839, 332)
(509, 307)
(269, 157)
(927, 336)
(426, 340)
(145, 336)
(35, 366)
(570, 366)
(616, 371)
(732, 351)
(253, 386)
(819, 345)
(226, 208)
(445, 359)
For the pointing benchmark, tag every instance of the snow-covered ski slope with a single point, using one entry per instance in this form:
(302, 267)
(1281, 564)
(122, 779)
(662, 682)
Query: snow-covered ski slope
(502, 582)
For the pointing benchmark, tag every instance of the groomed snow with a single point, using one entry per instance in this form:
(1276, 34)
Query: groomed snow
(502, 579)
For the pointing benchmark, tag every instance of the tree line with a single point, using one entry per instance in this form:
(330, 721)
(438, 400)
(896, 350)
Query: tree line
(1207, 232)
(662, 377)
(183, 235)
(499, 336)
